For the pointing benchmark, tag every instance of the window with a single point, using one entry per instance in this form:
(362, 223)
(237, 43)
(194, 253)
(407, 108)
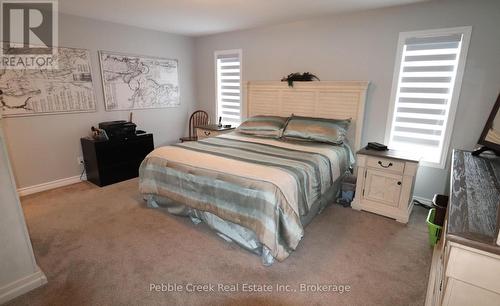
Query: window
(228, 91)
(425, 91)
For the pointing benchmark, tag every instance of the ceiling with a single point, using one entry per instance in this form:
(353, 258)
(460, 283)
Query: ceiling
(203, 17)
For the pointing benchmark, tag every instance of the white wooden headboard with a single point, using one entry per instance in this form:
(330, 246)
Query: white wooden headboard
(324, 99)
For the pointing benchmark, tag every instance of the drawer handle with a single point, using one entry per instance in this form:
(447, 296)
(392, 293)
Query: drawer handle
(399, 183)
(382, 165)
(207, 133)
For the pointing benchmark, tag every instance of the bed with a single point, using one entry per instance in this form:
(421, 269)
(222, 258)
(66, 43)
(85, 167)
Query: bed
(259, 192)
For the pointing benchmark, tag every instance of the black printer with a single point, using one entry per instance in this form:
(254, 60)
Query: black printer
(118, 129)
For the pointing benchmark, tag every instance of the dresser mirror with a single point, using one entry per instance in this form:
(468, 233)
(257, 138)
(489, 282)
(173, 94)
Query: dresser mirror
(490, 137)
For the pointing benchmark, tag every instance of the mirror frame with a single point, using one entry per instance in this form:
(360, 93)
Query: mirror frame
(482, 139)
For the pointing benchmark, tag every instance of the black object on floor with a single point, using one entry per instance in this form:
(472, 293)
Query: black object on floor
(440, 202)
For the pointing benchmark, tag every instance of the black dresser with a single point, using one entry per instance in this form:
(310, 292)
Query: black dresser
(111, 161)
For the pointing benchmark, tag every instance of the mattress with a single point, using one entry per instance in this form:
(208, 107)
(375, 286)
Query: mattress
(258, 192)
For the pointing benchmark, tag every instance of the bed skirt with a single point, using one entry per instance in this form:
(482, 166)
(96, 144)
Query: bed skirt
(233, 232)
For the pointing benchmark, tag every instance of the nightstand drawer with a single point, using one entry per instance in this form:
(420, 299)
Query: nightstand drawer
(211, 130)
(385, 164)
(201, 133)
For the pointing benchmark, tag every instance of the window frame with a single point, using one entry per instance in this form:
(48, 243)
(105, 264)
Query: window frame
(453, 103)
(217, 81)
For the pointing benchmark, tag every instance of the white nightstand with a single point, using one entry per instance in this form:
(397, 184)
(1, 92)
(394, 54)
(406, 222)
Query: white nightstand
(385, 183)
(211, 130)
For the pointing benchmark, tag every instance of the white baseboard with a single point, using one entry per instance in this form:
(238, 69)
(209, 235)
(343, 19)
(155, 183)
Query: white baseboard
(50, 185)
(21, 286)
(424, 201)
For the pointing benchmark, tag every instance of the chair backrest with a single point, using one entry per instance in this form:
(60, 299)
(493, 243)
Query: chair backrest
(199, 117)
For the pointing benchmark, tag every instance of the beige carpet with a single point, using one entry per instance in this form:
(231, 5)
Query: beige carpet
(102, 246)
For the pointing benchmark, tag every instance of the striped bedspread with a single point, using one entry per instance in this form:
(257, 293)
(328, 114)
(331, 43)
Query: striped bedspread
(262, 184)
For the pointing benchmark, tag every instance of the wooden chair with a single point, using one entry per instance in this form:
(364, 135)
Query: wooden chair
(197, 118)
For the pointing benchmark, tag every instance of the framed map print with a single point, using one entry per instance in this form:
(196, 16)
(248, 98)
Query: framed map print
(138, 82)
(67, 89)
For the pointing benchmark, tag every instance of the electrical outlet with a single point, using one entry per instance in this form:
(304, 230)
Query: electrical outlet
(79, 160)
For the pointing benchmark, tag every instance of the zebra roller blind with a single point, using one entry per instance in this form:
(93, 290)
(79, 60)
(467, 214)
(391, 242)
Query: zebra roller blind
(228, 70)
(426, 87)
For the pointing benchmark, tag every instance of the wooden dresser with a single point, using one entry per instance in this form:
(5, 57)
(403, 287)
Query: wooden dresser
(465, 266)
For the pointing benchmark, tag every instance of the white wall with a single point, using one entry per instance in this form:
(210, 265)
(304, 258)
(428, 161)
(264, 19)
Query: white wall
(362, 46)
(19, 272)
(45, 148)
